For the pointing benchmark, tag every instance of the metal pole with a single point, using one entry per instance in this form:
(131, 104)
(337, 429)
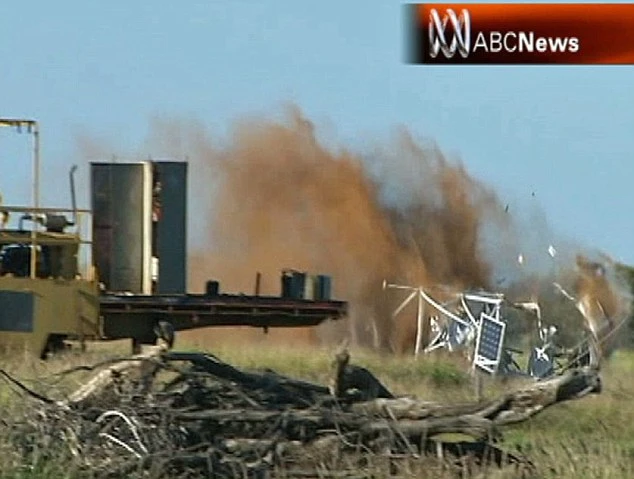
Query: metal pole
(419, 324)
(477, 384)
(258, 277)
(36, 195)
(36, 167)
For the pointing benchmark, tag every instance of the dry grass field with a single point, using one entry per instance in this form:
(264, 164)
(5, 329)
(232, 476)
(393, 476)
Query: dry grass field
(589, 438)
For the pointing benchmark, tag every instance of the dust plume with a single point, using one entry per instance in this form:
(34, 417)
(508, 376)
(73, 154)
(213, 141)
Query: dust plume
(275, 195)
(282, 199)
(603, 301)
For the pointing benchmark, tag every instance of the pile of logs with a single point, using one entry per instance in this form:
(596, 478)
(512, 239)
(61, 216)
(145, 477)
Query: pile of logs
(180, 414)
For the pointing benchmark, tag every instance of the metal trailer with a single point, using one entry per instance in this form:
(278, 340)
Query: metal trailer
(137, 316)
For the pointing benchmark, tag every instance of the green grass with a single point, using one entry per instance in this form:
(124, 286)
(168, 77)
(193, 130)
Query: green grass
(589, 438)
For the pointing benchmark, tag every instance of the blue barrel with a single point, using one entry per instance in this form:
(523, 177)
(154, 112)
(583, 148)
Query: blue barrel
(212, 288)
(323, 288)
(299, 282)
(287, 285)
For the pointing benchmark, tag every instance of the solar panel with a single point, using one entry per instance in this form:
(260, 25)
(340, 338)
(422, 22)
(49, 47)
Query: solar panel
(489, 343)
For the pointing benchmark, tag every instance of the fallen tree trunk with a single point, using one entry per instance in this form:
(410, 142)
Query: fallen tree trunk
(515, 406)
(141, 366)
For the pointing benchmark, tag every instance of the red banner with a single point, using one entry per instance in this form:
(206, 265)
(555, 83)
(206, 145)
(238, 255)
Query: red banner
(535, 33)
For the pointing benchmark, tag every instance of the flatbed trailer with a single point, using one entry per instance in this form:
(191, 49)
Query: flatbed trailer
(125, 316)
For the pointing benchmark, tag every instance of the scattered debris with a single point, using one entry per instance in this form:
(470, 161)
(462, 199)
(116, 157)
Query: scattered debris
(181, 414)
(473, 322)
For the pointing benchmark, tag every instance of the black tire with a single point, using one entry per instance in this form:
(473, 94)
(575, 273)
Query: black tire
(136, 346)
(54, 345)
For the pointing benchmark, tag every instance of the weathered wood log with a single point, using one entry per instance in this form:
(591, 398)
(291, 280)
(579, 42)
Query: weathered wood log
(351, 381)
(515, 406)
(140, 365)
(474, 426)
(410, 408)
(478, 428)
(524, 403)
(267, 380)
(322, 418)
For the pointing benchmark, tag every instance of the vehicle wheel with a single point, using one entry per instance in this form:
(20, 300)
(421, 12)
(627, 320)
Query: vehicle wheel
(136, 346)
(54, 345)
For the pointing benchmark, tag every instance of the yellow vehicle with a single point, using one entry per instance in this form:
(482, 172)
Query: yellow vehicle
(45, 297)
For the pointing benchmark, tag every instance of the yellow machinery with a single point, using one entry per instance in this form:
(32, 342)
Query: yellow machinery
(47, 293)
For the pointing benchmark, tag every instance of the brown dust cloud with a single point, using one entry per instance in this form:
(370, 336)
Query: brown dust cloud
(272, 196)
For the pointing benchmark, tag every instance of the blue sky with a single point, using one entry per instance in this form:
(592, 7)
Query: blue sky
(565, 133)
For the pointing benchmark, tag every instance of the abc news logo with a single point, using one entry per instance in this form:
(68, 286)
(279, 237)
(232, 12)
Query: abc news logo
(452, 33)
